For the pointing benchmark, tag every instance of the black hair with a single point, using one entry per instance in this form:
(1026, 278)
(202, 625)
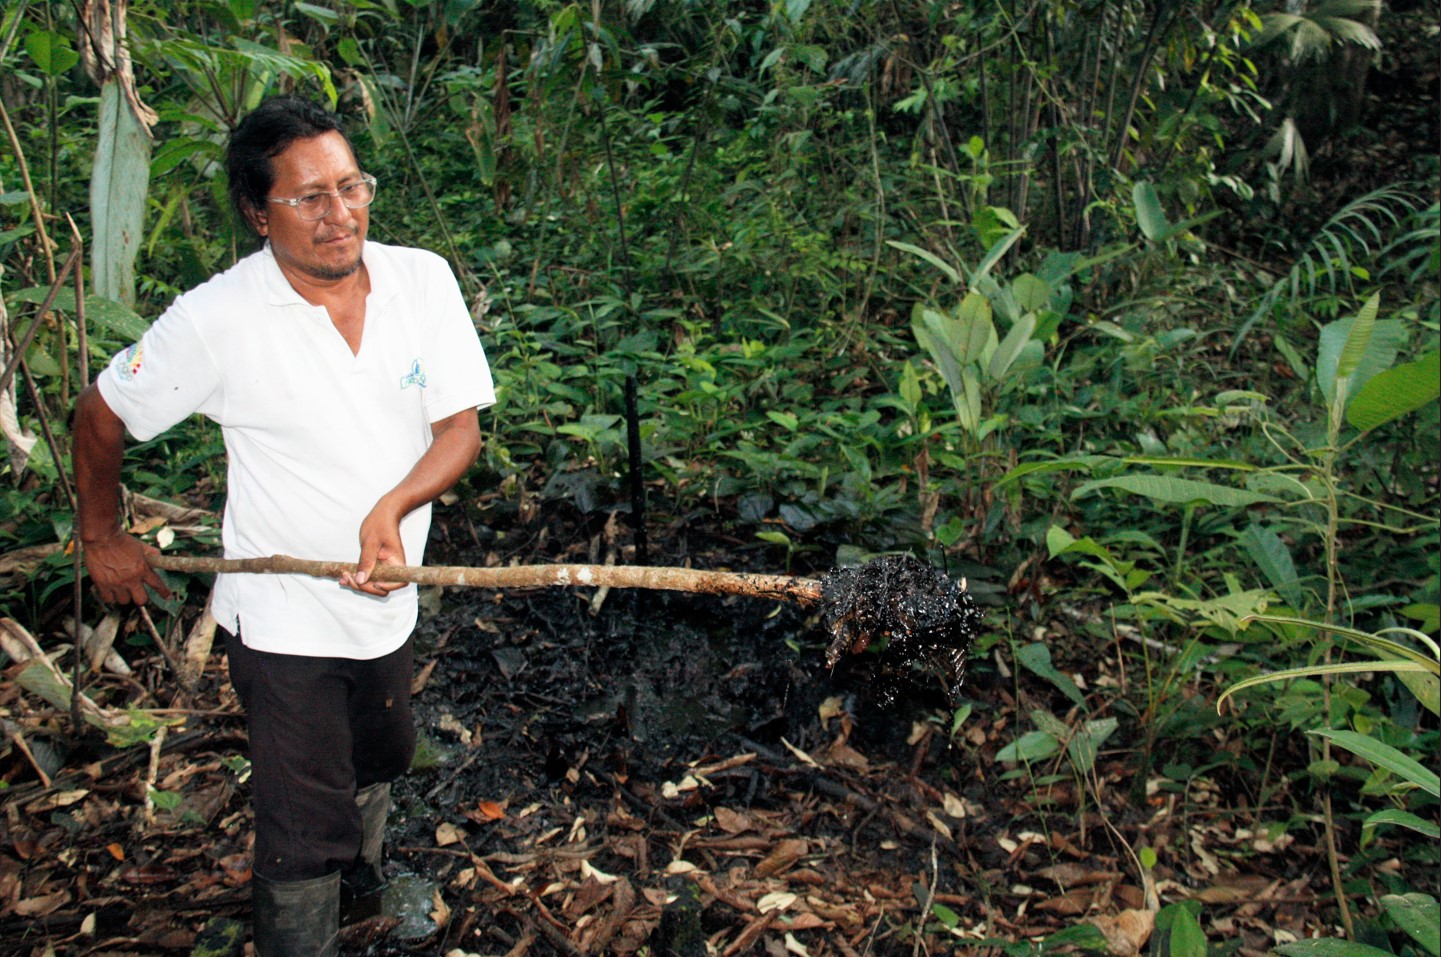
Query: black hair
(264, 134)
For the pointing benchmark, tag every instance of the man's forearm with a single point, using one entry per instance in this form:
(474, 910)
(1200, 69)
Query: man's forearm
(454, 448)
(99, 439)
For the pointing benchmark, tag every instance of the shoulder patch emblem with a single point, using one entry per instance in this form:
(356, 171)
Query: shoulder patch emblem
(130, 361)
(416, 375)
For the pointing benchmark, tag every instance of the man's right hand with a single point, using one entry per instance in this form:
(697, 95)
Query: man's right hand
(119, 570)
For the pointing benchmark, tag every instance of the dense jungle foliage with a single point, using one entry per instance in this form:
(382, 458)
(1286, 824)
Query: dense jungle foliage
(1126, 311)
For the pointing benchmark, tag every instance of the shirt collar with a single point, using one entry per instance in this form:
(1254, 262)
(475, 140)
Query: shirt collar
(383, 284)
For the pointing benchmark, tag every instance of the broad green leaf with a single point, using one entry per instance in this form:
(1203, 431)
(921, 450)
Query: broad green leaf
(1036, 658)
(946, 268)
(1032, 292)
(1382, 345)
(1060, 542)
(977, 330)
(1010, 347)
(1181, 462)
(1378, 752)
(1358, 338)
(177, 151)
(51, 52)
(1373, 642)
(349, 51)
(1082, 463)
(994, 254)
(1272, 556)
(115, 317)
(785, 420)
(936, 332)
(1230, 611)
(1404, 819)
(1187, 938)
(1176, 491)
(1396, 392)
(1314, 671)
(1418, 915)
(1031, 746)
(320, 14)
(1330, 947)
(910, 387)
(1292, 357)
(968, 403)
(1149, 215)
(1426, 688)
(1085, 744)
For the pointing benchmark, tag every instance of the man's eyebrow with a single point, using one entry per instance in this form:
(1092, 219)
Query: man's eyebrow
(318, 184)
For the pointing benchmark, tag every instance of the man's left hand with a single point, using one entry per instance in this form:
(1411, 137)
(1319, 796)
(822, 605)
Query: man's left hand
(379, 543)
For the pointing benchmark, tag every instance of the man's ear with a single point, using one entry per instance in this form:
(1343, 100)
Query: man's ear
(258, 220)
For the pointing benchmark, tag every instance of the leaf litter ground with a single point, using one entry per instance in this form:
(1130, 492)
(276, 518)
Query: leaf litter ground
(647, 772)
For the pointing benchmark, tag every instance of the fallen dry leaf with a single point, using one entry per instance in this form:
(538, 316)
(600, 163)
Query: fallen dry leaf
(42, 905)
(1127, 932)
(440, 910)
(776, 900)
(422, 678)
(447, 834)
(845, 756)
(485, 811)
(58, 799)
(732, 822)
(804, 758)
(1072, 903)
(1071, 874)
(587, 870)
(1241, 887)
(785, 855)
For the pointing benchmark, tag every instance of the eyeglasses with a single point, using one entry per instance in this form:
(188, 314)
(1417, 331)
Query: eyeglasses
(313, 206)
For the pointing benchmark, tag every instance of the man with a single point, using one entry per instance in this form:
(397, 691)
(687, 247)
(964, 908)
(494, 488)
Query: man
(346, 376)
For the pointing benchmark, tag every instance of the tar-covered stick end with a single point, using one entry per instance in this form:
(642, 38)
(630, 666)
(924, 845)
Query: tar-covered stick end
(924, 617)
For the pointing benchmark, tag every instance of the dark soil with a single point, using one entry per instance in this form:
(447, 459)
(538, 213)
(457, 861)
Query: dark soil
(653, 772)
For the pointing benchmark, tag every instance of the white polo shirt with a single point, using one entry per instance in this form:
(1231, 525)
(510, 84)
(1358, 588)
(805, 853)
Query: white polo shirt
(314, 434)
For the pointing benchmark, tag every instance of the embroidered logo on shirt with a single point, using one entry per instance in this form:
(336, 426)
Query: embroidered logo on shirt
(130, 361)
(416, 375)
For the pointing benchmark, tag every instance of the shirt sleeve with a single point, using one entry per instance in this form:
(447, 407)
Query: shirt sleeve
(165, 377)
(455, 361)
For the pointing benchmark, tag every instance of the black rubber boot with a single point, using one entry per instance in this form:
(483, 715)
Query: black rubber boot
(297, 918)
(364, 877)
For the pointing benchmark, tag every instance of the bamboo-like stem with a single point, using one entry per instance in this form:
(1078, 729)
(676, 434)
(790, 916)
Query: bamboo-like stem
(805, 591)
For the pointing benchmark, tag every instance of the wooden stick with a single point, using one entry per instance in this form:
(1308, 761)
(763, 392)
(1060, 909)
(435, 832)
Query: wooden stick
(805, 591)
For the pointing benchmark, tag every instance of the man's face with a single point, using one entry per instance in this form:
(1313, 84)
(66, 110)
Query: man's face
(325, 249)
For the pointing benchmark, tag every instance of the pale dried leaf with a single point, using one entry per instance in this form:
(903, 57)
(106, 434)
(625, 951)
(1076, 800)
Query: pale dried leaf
(447, 834)
(804, 758)
(785, 854)
(57, 799)
(776, 900)
(586, 870)
(732, 822)
(1127, 932)
(43, 905)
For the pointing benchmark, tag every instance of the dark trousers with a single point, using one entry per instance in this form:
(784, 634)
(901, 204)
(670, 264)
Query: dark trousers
(320, 729)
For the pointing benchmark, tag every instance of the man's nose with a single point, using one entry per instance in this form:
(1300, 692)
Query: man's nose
(339, 214)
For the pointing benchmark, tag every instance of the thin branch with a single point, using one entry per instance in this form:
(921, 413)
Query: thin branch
(781, 587)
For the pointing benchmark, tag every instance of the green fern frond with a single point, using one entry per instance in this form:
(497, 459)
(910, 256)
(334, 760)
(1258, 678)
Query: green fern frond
(1356, 234)
(1311, 34)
